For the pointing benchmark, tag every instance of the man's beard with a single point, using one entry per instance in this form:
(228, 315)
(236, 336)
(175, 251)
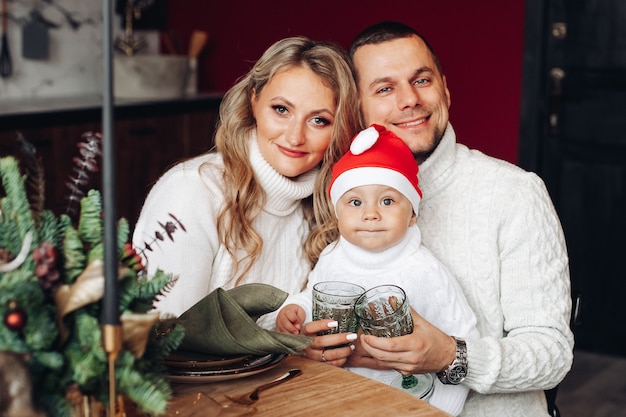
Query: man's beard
(421, 156)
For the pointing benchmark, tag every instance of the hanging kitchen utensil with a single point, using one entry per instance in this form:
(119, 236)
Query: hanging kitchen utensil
(196, 44)
(6, 66)
(198, 41)
(129, 44)
(35, 39)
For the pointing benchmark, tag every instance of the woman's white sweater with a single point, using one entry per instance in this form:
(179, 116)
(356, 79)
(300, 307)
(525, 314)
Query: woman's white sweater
(192, 192)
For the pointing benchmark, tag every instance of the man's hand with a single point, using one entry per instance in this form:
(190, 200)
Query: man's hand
(427, 349)
(360, 358)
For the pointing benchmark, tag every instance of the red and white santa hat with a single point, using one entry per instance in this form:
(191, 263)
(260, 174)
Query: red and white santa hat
(376, 157)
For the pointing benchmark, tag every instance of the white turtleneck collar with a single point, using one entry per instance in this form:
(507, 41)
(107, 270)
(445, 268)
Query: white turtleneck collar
(368, 259)
(283, 193)
(436, 169)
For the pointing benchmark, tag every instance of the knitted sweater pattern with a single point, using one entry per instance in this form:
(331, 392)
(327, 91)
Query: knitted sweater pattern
(193, 192)
(429, 287)
(494, 226)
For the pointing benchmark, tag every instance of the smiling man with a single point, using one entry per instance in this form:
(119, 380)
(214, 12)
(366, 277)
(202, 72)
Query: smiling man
(490, 222)
(404, 90)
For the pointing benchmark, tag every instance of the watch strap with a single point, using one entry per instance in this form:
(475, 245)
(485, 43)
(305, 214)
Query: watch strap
(456, 372)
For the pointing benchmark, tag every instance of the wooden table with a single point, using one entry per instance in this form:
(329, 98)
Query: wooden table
(321, 390)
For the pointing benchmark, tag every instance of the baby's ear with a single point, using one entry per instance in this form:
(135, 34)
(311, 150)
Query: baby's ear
(413, 219)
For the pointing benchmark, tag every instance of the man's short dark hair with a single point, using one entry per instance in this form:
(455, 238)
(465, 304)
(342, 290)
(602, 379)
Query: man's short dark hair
(387, 31)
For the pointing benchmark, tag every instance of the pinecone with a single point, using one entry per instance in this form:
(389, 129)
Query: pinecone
(46, 255)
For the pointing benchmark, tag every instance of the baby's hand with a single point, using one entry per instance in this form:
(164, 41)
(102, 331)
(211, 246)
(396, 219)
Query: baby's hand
(290, 319)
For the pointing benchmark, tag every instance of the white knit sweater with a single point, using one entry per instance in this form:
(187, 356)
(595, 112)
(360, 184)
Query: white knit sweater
(494, 226)
(429, 287)
(192, 191)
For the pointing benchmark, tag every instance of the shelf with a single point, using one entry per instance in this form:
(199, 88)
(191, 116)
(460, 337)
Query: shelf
(20, 113)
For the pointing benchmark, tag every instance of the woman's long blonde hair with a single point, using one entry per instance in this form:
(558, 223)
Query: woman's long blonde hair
(244, 197)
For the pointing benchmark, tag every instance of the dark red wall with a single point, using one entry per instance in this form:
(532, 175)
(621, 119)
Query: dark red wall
(480, 44)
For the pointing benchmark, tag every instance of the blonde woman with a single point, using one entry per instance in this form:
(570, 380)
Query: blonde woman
(256, 210)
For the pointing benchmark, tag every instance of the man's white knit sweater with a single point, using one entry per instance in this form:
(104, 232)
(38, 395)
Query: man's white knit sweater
(192, 192)
(494, 226)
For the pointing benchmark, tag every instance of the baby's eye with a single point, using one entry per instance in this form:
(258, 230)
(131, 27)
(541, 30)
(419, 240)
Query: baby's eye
(387, 201)
(354, 202)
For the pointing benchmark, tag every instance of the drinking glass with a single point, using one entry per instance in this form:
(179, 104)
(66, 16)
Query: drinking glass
(384, 311)
(335, 300)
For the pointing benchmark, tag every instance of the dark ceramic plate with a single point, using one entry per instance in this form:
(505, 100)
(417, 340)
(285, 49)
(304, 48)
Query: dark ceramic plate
(252, 365)
(195, 360)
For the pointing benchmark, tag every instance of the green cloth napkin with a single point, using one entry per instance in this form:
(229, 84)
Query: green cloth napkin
(224, 323)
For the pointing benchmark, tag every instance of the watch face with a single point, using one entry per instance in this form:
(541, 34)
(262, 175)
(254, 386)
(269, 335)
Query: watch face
(457, 374)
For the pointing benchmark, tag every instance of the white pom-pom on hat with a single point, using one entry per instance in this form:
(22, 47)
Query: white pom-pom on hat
(364, 140)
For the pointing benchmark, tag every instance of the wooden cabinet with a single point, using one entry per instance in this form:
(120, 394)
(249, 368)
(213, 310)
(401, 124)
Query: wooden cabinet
(148, 140)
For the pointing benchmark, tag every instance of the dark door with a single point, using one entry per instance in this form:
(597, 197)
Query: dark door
(573, 135)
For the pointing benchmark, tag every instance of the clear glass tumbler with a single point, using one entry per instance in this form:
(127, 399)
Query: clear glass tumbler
(384, 311)
(335, 300)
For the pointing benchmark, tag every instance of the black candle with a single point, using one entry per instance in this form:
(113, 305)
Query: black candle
(110, 302)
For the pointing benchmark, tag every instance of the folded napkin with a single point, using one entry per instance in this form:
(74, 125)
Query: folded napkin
(224, 323)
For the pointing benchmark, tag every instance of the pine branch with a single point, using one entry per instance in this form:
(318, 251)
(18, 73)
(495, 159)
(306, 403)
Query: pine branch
(81, 361)
(148, 390)
(90, 225)
(15, 206)
(87, 359)
(165, 339)
(75, 259)
(157, 284)
(20, 289)
(41, 331)
(49, 230)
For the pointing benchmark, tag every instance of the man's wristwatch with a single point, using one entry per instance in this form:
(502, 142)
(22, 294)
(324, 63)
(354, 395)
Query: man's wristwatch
(456, 372)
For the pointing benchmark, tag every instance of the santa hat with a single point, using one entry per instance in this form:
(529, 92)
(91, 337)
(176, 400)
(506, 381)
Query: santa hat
(376, 157)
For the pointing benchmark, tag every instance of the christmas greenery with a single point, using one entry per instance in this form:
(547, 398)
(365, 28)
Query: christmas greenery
(48, 266)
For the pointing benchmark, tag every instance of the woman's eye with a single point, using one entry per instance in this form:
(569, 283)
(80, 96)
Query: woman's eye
(321, 121)
(387, 201)
(384, 90)
(354, 202)
(280, 109)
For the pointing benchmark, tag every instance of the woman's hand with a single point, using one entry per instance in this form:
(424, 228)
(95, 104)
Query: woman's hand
(333, 349)
(360, 358)
(427, 349)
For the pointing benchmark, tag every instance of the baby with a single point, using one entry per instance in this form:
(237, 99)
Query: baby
(375, 193)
